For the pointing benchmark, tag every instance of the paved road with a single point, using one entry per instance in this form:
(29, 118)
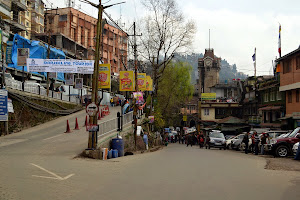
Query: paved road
(45, 169)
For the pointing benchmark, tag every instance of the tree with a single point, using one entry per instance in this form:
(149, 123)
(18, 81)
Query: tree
(175, 89)
(165, 31)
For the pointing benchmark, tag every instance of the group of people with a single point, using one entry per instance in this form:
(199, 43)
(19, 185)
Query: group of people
(188, 139)
(255, 146)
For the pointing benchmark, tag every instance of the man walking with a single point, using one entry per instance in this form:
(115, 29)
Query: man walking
(246, 141)
(256, 141)
(189, 140)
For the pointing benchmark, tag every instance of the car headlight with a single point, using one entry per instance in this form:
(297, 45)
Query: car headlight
(212, 141)
(273, 141)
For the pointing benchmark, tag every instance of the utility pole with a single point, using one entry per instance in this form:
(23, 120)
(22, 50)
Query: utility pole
(136, 84)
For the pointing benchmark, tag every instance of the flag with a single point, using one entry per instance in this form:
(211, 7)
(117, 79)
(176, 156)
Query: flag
(279, 41)
(253, 57)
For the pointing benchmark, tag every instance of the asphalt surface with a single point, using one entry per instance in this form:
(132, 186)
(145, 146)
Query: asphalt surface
(40, 164)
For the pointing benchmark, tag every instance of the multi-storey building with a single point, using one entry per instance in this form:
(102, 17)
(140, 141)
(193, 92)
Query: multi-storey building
(289, 68)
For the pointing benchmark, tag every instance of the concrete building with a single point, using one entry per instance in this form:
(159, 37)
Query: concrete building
(80, 29)
(289, 68)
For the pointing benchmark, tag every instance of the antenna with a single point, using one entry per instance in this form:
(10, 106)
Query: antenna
(208, 38)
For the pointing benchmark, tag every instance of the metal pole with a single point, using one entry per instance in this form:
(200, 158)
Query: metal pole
(23, 73)
(136, 85)
(48, 56)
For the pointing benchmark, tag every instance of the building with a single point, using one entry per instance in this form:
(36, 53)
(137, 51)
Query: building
(272, 103)
(209, 67)
(79, 28)
(289, 68)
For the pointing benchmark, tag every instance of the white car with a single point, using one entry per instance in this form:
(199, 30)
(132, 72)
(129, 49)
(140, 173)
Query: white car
(230, 141)
(295, 148)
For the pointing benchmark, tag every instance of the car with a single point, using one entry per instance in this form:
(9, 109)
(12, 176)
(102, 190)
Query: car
(272, 136)
(217, 140)
(237, 141)
(295, 148)
(282, 147)
(227, 137)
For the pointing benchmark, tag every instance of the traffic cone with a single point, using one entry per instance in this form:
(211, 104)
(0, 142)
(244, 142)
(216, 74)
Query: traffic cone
(99, 116)
(68, 130)
(76, 125)
(86, 121)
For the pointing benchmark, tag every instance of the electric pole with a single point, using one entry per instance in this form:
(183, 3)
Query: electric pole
(136, 84)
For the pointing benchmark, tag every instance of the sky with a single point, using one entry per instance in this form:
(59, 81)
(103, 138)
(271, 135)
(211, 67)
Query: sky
(237, 27)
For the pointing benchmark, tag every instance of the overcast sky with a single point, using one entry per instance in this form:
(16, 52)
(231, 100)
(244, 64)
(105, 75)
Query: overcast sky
(237, 27)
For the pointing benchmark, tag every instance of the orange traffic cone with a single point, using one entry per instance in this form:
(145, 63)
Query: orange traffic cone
(68, 130)
(99, 116)
(76, 125)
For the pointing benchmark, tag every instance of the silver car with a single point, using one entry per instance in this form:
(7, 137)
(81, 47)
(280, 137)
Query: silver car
(295, 148)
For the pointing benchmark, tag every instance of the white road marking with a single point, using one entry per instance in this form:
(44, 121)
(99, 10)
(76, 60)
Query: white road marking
(53, 137)
(55, 176)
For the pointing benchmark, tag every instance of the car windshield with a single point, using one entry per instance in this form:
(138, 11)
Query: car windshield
(216, 135)
(294, 133)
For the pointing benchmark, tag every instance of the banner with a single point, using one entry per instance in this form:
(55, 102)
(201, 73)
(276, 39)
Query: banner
(22, 55)
(139, 97)
(141, 81)
(208, 96)
(104, 76)
(126, 81)
(60, 65)
(149, 83)
(78, 83)
(69, 79)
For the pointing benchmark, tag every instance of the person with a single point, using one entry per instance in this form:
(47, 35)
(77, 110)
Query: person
(252, 143)
(179, 138)
(172, 139)
(111, 102)
(183, 139)
(263, 142)
(189, 140)
(201, 140)
(145, 138)
(207, 140)
(297, 156)
(256, 142)
(246, 141)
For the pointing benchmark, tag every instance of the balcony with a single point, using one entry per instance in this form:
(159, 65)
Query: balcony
(15, 26)
(5, 9)
(19, 5)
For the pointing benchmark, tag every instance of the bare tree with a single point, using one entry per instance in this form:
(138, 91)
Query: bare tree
(165, 31)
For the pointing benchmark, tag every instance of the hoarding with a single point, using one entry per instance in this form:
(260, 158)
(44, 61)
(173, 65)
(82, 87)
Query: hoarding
(208, 96)
(126, 81)
(104, 80)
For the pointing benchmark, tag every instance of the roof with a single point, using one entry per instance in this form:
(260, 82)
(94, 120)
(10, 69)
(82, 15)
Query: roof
(288, 55)
(231, 120)
(270, 108)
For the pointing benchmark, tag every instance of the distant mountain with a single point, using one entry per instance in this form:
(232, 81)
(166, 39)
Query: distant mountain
(227, 72)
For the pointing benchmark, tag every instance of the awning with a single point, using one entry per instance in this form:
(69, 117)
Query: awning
(270, 108)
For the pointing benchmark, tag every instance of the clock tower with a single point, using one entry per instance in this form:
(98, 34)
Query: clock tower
(209, 67)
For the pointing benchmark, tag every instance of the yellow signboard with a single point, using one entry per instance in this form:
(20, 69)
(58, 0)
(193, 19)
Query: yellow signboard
(208, 96)
(149, 83)
(184, 118)
(141, 81)
(104, 76)
(126, 81)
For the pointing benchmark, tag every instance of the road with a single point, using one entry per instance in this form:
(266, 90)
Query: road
(41, 165)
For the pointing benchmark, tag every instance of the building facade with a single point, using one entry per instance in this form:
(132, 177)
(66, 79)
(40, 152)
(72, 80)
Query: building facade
(289, 68)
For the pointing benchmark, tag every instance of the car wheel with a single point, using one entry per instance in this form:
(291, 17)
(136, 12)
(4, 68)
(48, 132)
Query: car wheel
(220, 148)
(238, 148)
(282, 151)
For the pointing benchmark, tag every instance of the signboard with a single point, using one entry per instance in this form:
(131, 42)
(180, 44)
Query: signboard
(93, 128)
(139, 97)
(78, 83)
(126, 81)
(52, 74)
(60, 65)
(104, 76)
(184, 118)
(141, 81)
(3, 105)
(208, 96)
(69, 79)
(92, 109)
(22, 55)
(149, 83)
(0, 45)
(9, 48)
(10, 106)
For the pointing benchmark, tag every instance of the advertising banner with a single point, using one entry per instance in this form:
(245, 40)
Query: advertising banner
(126, 81)
(139, 97)
(3, 105)
(149, 83)
(9, 48)
(84, 66)
(208, 96)
(141, 81)
(104, 76)
(22, 55)
(69, 79)
(78, 83)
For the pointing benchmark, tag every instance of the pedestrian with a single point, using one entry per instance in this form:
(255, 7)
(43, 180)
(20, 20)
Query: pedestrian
(297, 156)
(256, 143)
(207, 141)
(111, 102)
(179, 138)
(201, 140)
(263, 143)
(183, 139)
(252, 143)
(246, 141)
(189, 140)
(172, 139)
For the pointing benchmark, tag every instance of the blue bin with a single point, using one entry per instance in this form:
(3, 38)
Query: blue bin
(114, 153)
(118, 144)
(109, 154)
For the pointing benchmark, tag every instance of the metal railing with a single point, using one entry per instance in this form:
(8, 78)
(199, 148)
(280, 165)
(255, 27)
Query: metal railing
(112, 125)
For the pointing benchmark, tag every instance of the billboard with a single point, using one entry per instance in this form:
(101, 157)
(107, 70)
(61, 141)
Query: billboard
(126, 81)
(141, 81)
(149, 83)
(208, 96)
(104, 76)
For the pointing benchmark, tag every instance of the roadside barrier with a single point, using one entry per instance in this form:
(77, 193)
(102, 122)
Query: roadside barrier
(76, 125)
(68, 130)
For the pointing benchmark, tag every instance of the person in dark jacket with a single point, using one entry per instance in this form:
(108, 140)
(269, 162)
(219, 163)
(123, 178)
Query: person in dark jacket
(189, 140)
(256, 143)
(246, 141)
(263, 142)
(207, 140)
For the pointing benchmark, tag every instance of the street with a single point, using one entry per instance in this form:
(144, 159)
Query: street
(35, 168)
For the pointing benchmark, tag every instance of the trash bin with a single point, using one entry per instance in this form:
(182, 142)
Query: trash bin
(114, 153)
(118, 144)
(109, 154)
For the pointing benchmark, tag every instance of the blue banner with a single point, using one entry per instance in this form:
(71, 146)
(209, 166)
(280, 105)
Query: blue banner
(3, 105)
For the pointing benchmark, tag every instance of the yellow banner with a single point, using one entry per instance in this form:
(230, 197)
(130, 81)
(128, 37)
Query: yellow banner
(149, 83)
(141, 81)
(126, 81)
(104, 76)
(208, 96)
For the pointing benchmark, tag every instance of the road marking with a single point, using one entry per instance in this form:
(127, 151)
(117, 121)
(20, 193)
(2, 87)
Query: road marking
(53, 137)
(55, 176)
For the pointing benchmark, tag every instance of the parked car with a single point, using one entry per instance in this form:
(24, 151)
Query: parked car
(227, 137)
(272, 137)
(236, 142)
(282, 147)
(295, 148)
(217, 140)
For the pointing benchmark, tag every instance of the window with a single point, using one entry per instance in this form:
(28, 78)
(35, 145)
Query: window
(266, 97)
(272, 96)
(289, 94)
(206, 111)
(298, 62)
(287, 66)
(27, 24)
(278, 95)
(27, 13)
(41, 29)
(26, 33)
(297, 95)
(63, 18)
(41, 20)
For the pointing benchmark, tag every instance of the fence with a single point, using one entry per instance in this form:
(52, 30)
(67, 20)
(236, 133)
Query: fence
(112, 125)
